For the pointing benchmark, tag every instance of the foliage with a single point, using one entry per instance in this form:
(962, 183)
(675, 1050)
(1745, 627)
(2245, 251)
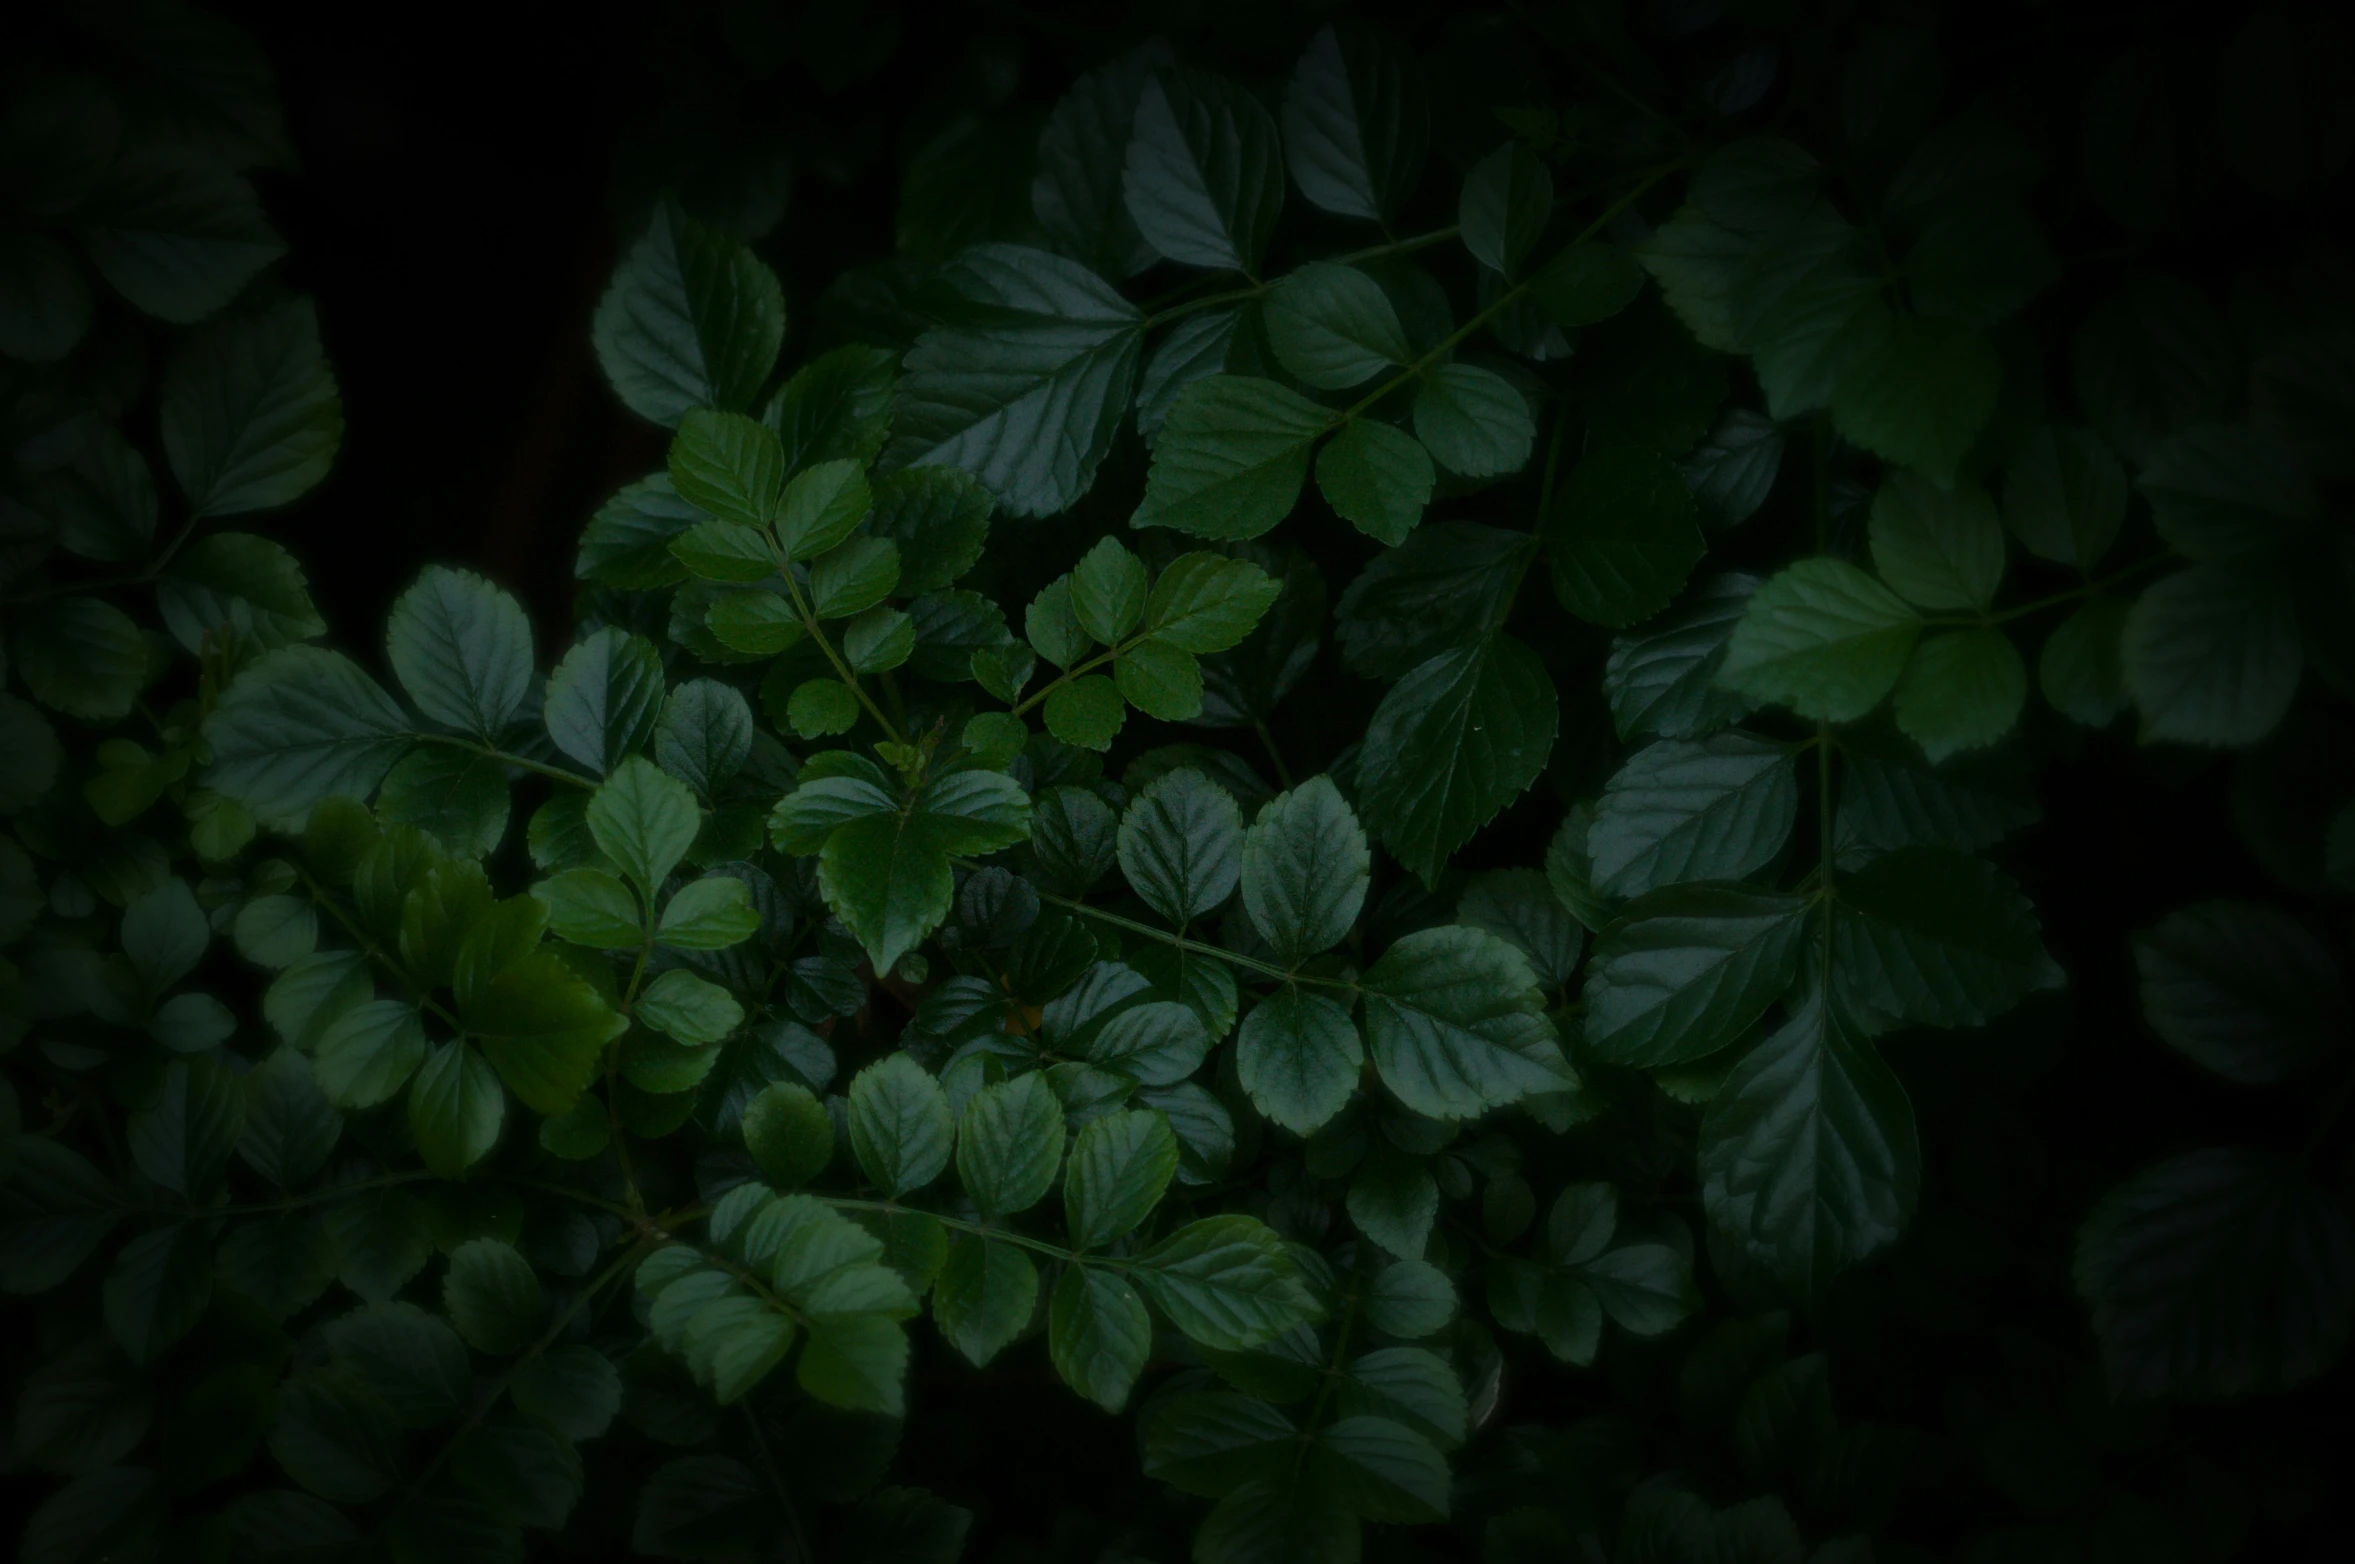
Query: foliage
(433, 1083)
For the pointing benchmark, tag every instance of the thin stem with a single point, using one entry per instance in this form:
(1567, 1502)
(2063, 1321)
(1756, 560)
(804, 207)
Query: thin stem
(977, 1229)
(552, 773)
(1275, 756)
(1316, 1408)
(1069, 674)
(768, 1461)
(1196, 947)
(290, 1203)
(2087, 589)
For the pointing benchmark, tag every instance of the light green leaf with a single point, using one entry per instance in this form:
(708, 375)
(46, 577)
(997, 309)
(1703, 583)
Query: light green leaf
(1025, 383)
(692, 319)
(689, 1009)
(712, 913)
(1456, 1024)
(1332, 326)
(1376, 478)
(1622, 535)
(2212, 655)
(820, 708)
(251, 418)
(1450, 745)
(1231, 458)
(1357, 122)
(1963, 689)
(1299, 1057)
(541, 1025)
(1685, 971)
(822, 506)
(1808, 1159)
(1207, 602)
(1160, 680)
(1181, 845)
(1939, 548)
(1009, 1144)
(604, 698)
(1108, 591)
(1473, 422)
(1508, 198)
(590, 907)
(1205, 181)
(1823, 638)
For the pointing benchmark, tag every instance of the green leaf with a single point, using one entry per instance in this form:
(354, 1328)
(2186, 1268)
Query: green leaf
(1394, 1201)
(369, 1052)
(644, 820)
(2243, 989)
(289, 1127)
(822, 707)
(699, 1505)
(985, 1296)
(177, 232)
(572, 1386)
(1205, 181)
(725, 551)
(413, 1362)
(82, 656)
(493, 1298)
(1299, 1057)
(1733, 471)
(1808, 1157)
(604, 698)
(458, 798)
(521, 1468)
(1473, 421)
(1978, 261)
(1207, 602)
(1443, 588)
(2220, 1272)
(1332, 326)
(2211, 655)
(541, 1026)
(183, 1137)
(689, 1009)
(1098, 1334)
(1009, 1144)
(456, 1106)
(1357, 122)
(1720, 808)
(938, 517)
(1664, 684)
(1586, 283)
(900, 1125)
(1646, 1289)
(1915, 392)
(1939, 548)
(1231, 458)
(2082, 672)
(822, 506)
(1305, 868)
(1082, 161)
(590, 907)
(44, 303)
(1800, 302)
(1390, 1472)
(2229, 491)
(1376, 478)
(251, 417)
(299, 725)
(1155, 1044)
(1212, 1442)
(1622, 536)
(1272, 1518)
(858, 1361)
(1026, 382)
(1120, 1165)
(788, 1133)
(2064, 495)
(692, 319)
(1519, 907)
(729, 466)
(1683, 972)
(1823, 638)
(1889, 798)
(1225, 1282)
(1696, 259)
(1450, 745)
(158, 1288)
(1409, 1385)
(1931, 936)
(854, 577)
(1508, 198)
(1181, 846)
(1962, 689)
(712, 913)
(1159, 680)
(1108, 591)
(462, 649)
(836, 406)
(164, 935)
(336, 1437)
(1456, 1024)
(704, 736)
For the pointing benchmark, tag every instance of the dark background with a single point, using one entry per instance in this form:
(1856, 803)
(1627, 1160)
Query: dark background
(456, 214)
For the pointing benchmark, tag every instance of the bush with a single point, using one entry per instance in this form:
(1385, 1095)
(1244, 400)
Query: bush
(1300, 767)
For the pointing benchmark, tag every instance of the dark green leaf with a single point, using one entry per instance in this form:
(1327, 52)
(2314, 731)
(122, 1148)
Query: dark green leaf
(1621, 534)
(1356, 123)
(692, 319)
(1456, 1024)
(1205, 181)
(1683, 972)
(1450, 745)
(2243, 989)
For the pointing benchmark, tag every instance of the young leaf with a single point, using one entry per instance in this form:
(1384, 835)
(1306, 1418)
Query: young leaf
(729, 466)
(788, 1133)
(1108, 591)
